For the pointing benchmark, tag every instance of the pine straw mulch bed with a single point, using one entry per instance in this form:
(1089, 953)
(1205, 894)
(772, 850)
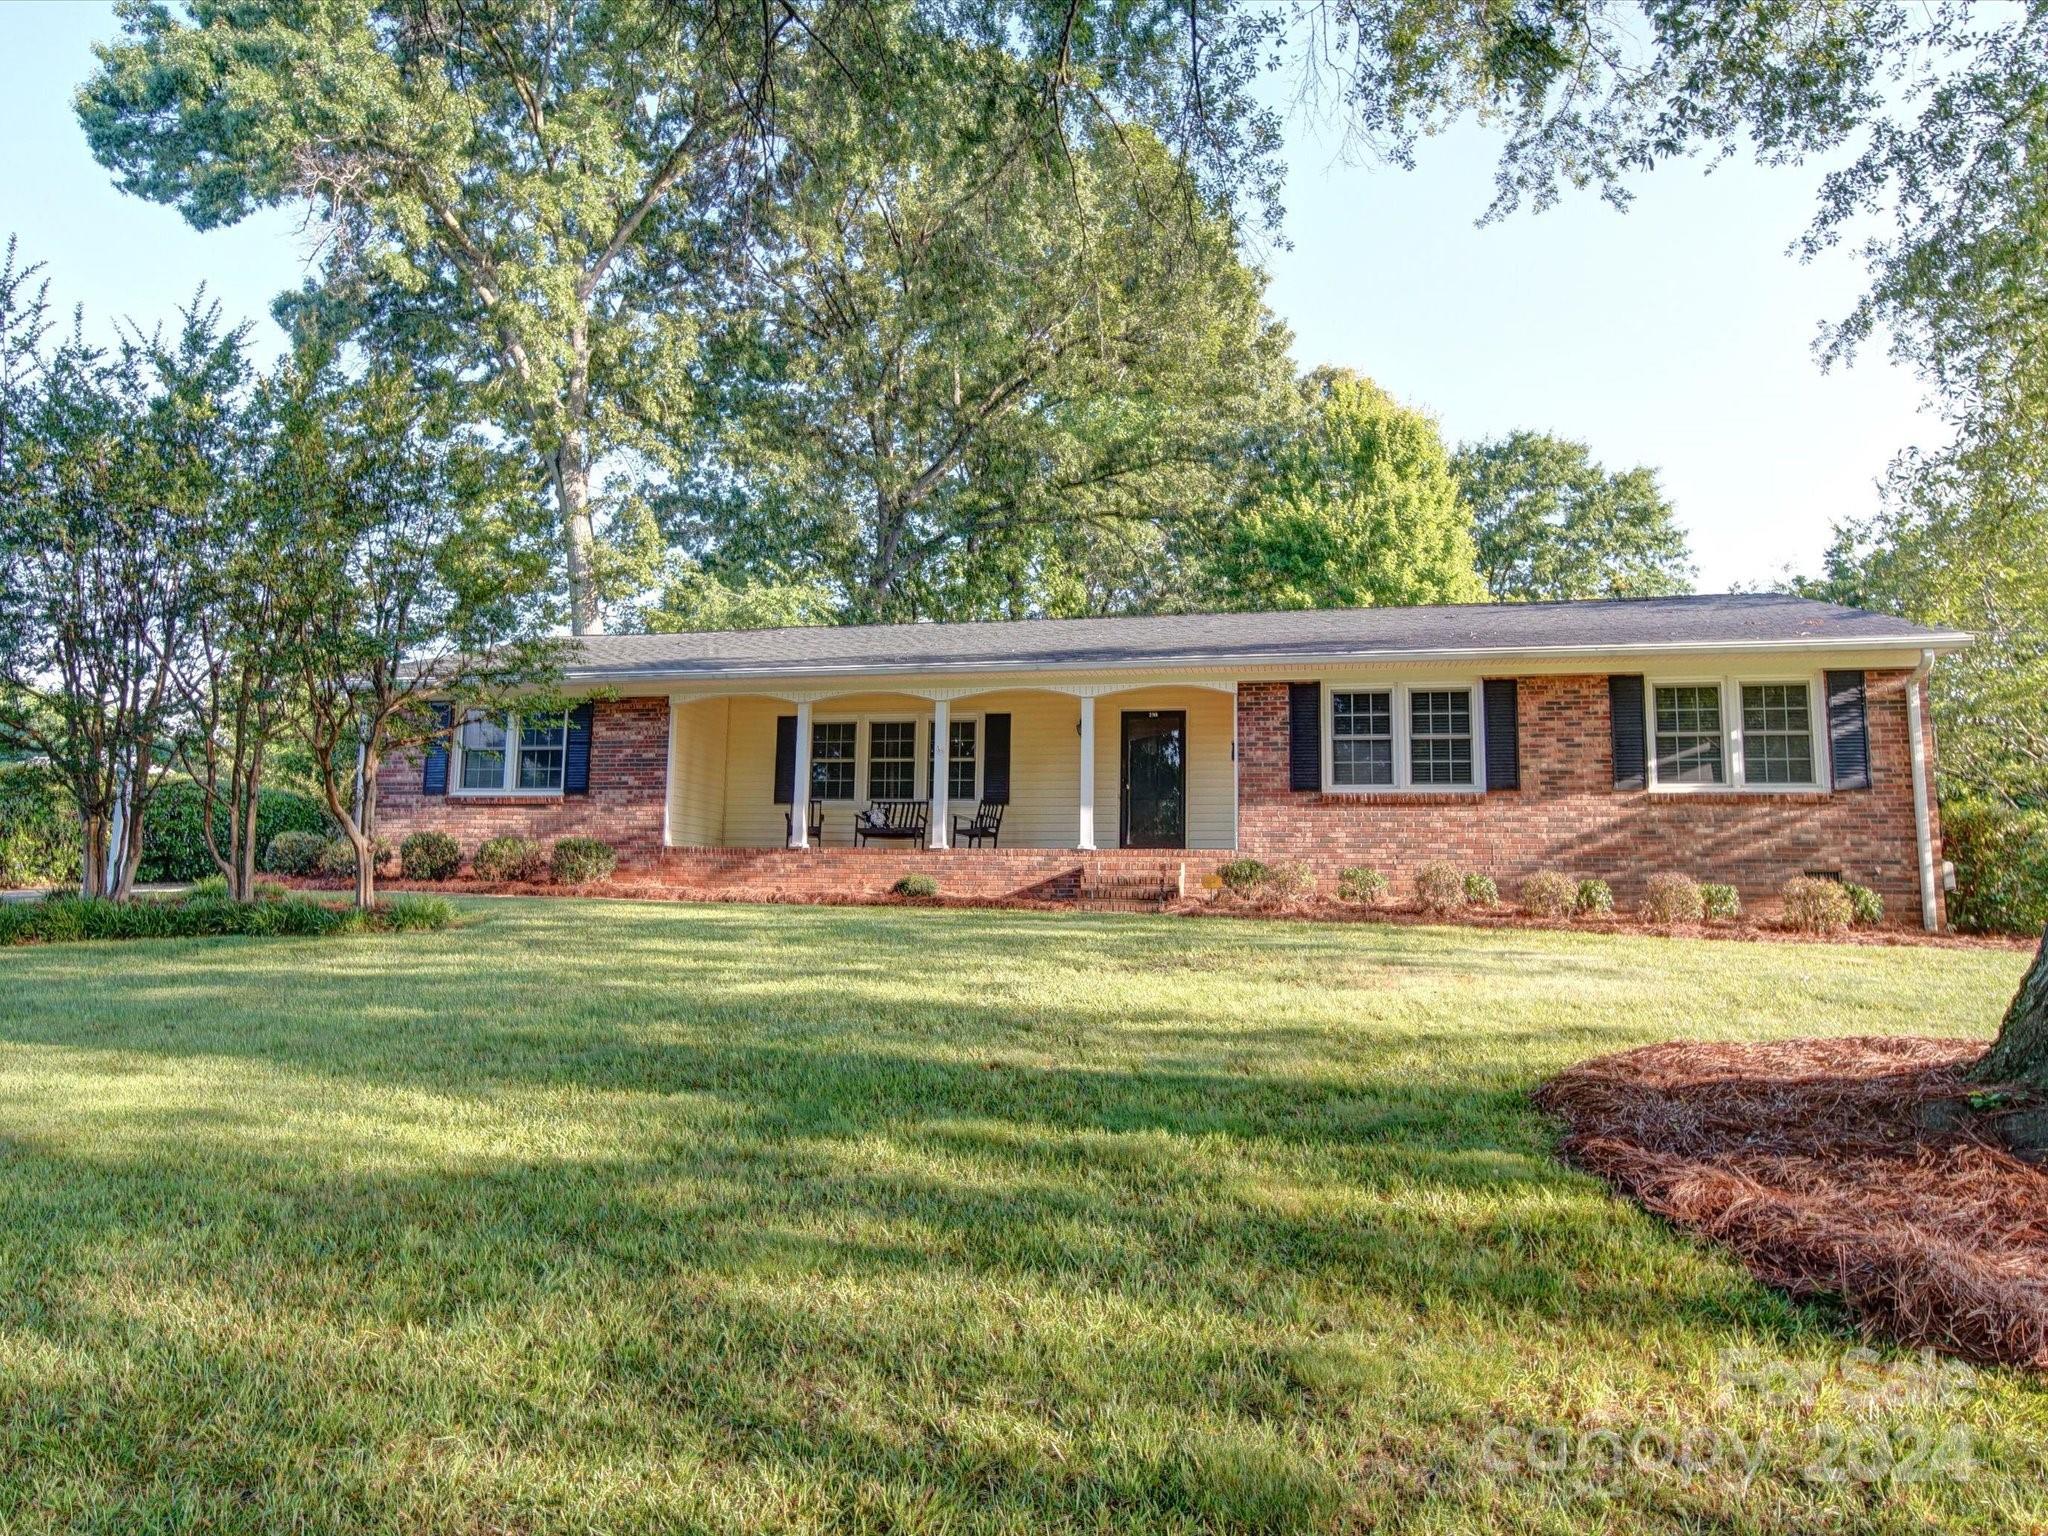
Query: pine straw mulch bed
(625, 887)
(1855, 1168)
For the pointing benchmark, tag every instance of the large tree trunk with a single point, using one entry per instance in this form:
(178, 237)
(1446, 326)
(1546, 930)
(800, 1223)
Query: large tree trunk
(579, 531)
(2020, 1053)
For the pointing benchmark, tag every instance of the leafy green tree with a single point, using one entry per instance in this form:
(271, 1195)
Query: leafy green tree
(1553, 525)
(1354, 505)
(112, 465)
(961, 367)
(424, 581)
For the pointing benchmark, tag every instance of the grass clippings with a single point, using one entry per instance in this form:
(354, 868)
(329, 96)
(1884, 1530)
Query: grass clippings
(1853, 1168)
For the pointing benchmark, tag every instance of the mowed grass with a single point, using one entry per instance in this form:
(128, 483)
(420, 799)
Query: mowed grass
(615, 1217)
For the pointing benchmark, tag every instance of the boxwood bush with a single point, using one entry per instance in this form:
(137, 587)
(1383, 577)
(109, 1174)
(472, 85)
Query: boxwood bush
(1367, 887)
(429, 856)
(1670, 899)
(581, 860)
(2001, 859)
(1549, 894)
(1243, 877)
(916, 887)
(509, 858)
(294, 853)
(1814, 905)
(1480, 890)
(1866, 907)
(1720, 903)
(1595, 899)
(1439, 887)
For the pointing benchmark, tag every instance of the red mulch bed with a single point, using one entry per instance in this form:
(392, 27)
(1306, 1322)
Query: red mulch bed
(1851, 1168)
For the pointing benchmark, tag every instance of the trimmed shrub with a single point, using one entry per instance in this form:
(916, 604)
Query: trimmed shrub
(1671, 899)
(1480, 891)
(1817, 906)
(294, 853)
(2001, 859)
(1439, 887)
(1595, 898)
(509, 858)
(1865, 905)
(1291, 881)
(429, 856)
(337, 859)
(69, 919)
(1549, 894)
(174, 848)
(916, 887)
(1720, 903)
(581, 860)
(1243, 877)
(39, 840)
(410, 913)
(1367, 887)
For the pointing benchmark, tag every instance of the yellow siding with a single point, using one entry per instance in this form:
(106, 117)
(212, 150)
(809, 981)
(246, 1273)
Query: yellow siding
(696, 773)
(1212, 780)
(1044, 764)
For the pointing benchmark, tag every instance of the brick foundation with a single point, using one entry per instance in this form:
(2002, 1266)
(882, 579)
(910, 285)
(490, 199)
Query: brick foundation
(1116, 876)
(1568, 815)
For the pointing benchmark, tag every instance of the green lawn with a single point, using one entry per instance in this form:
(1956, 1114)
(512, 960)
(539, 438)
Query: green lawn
(613, 1217)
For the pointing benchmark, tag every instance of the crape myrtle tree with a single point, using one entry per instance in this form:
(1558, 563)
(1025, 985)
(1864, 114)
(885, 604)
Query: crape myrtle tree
(425, 569)
(113, 464)
(1351, 503)
(1553, 525)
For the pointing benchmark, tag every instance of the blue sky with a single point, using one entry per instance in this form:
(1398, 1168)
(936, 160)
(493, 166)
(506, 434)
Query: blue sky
(1676, 335)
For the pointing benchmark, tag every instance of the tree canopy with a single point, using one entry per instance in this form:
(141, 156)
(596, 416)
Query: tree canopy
(1551, 524)
(1352, 505)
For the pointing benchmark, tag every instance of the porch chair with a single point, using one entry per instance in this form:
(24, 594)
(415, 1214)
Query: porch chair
(816, 819)
(986, 824)
(898, 821)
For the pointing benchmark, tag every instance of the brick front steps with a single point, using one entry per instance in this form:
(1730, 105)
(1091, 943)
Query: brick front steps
(1113, 879)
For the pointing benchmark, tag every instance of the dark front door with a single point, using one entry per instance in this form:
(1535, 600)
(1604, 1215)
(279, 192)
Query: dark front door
(1155, 787)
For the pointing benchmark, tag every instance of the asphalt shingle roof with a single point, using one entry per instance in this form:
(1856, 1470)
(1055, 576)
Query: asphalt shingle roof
(1742, 620)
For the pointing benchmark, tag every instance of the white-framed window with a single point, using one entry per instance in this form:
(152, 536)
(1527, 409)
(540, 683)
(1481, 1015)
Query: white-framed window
(510, 754)
(1425, 736)
(833, 759)
(963, 738)
(1758, 734)
(892, 760)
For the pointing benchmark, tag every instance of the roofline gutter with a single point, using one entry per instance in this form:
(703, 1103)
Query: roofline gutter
(1927, 645)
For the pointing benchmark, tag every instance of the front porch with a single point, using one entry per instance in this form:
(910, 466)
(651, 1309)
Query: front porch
(1081, 767)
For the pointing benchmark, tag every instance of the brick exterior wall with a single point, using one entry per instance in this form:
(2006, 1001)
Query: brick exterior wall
(1568, 815)
(628, 792)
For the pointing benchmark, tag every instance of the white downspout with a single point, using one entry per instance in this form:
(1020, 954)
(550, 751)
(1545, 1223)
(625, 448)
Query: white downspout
(1923, 833)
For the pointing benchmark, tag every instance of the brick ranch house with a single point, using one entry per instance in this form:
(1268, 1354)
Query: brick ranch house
(1744, 739)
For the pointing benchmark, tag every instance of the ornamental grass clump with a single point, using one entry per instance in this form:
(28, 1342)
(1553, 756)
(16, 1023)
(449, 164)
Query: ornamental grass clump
(1549, 894)
(1671, 899)
(1814, 905)
(510, 858)
(1720, 903)
(1366, 887)
(582, 860)
(1440, 887)
(429, 856)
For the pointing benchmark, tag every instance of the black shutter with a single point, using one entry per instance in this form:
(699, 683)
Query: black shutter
(785, 759)
(995, 759)
(434, 772)
(576, 760)
(1625, 720)
(1503, 735)
(1848, 730)
(1305, 735)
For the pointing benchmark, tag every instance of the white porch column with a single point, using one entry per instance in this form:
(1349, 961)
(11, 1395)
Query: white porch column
(1086, 839)
(800, 781)
(942, 722)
